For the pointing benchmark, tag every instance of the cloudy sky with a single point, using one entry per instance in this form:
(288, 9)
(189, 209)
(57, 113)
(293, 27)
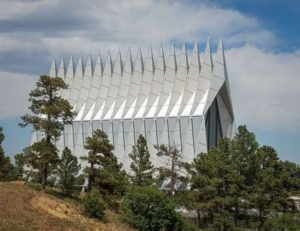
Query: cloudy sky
(261, 39)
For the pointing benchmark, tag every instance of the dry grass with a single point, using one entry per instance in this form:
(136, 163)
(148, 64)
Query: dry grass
(23, 208)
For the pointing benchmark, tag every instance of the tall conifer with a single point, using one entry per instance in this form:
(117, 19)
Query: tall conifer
(141, 165)
(49, 113)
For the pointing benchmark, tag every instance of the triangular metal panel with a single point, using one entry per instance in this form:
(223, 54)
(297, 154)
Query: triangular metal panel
(167, 84)
(188, 145)
(218, 77)
(118, 65)
(130, 138)
(119, 139)
(205, 77)
(179, 81)
(156, 85)
(225, 117)
(61, 72)
(117, 134)
(171, 129)
(53, 69)
(191, 82)
(78, 134)
(201, 142)
(139, 62)
(94, 98)
(138, 123)
(76, 85)
(124, 85)
(69, 80)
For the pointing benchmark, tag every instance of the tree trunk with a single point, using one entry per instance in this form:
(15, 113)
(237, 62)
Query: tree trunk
(90, 179)
(261, 218)
(44, 178)
(172, 175)
(199, 218)
(236, 214)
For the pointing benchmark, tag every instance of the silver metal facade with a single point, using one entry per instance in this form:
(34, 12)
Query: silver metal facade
(171, 99)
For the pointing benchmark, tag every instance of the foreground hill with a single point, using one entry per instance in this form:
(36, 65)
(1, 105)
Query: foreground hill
(23, 208)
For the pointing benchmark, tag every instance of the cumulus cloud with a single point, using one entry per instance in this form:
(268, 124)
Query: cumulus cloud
(265, 87)
(61, 23)
(264, 84)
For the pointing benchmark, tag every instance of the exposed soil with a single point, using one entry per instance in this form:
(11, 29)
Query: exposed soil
(22, 208)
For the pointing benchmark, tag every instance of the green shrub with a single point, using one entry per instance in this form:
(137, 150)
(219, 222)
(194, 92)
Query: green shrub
(147, 209)
(35, 186)
(184, 224)
(285, 221)
(93, 205)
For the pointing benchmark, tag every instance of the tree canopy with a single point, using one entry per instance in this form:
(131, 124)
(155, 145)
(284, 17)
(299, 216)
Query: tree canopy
(240, 184)
(6, 168)
(173, 165)
(67, 171)
(49, 113)
(141, 165)
(103, 171)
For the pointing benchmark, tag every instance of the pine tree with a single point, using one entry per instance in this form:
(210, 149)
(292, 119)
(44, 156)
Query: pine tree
(43, 157)
(269, 194)
(215, 180)
(104, 172)
(50, 112)
(6, 168)
(173, 167)
(67, 171)
(97, 145)
(141, 166)
(237, 177)
(19, 165)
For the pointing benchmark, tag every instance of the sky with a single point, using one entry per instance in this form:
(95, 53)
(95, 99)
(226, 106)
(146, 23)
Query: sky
(261, 38)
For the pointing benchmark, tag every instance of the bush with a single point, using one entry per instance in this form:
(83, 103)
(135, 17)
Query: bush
(35, 186)
(285, 221)
(67, 171)
(147, 209)
(93, 205)
(184, 224)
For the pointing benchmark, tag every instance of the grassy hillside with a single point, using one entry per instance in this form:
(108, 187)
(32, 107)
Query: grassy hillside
(23, 208)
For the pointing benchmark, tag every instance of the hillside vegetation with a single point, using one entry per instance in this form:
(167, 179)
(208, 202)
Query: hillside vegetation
(26, 209)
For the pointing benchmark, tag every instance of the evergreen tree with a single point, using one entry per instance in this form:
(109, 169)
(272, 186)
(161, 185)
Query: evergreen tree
(238, 177)
(19, 165)
(104, 172)
(141, 165)
(96, 145)
(266, 179)
(269, 195)
(67, 171)
(174, 165)
(42, 157)
(50, 112)
(291, 176)
(215, 184)
(6, 168)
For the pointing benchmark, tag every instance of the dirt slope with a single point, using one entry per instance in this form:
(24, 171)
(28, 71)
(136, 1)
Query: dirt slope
(22, 208)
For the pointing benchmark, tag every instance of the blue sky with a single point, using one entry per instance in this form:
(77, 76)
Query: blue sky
(261, 38)
(277, 15)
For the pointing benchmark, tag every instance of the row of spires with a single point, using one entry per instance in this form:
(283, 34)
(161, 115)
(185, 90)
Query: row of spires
(118, 65)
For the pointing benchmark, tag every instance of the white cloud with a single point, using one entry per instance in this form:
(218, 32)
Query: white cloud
(265, 87)
(61, 26)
